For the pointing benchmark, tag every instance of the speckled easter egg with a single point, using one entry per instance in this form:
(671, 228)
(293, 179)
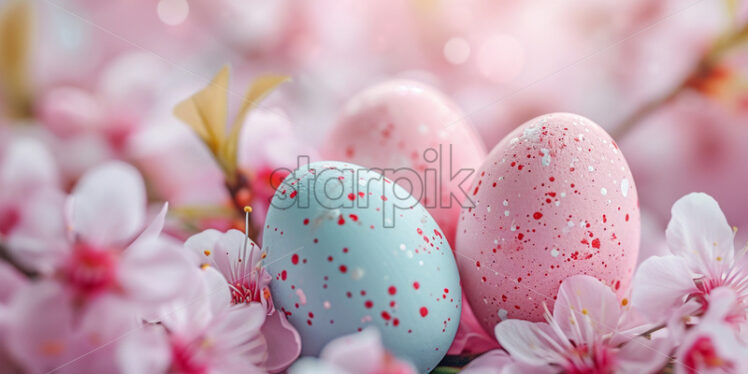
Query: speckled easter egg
(420, 135)
(553, 199)
(348, 249)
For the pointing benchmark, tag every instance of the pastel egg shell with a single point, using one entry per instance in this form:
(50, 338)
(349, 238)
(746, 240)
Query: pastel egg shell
(337, 269)
(553, 199)
(392, 125)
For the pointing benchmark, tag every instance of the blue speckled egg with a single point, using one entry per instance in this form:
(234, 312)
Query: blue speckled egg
(347, 249)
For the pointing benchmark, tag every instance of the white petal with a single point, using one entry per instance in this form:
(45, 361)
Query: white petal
(108, 204)
(660, 286)
(26, 165)
(585, 303)
(144, 351)
(356, 353)
(642, 355)
(154, 271)
(308, 365)
(529, 342)
(154, 229)
(698, 231)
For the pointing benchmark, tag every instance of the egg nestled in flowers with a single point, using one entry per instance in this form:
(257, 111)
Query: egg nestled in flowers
(420, 135)
(347, 249)
(553, 199)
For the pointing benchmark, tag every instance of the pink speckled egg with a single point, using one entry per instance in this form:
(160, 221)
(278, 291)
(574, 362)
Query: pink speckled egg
(553, 199)
(418, 136)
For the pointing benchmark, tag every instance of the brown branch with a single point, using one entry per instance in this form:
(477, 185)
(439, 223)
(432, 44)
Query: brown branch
(701, 72)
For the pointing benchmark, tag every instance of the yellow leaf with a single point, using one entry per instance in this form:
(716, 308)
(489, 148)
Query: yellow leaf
(15, 35)
(206, 111)
(260, 88)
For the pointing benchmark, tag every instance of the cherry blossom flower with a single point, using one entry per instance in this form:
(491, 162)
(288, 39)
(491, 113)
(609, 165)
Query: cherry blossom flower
(587, 333)
(239, 259)
(359, 353)
(703, 258)
(27, 169)
(713, 346)
(104, 248)
(199, 333)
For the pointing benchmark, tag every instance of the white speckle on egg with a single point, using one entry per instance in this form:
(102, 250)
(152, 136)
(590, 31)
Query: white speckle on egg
(625, 187)
(506, 213)
(546, 160)
(326, 304)
(554, 252)
(488, 209)
(357, 273)
(503, 314)
(604, 191)
(532, 133)
(591, 168)
(506, 203)
(402, 247)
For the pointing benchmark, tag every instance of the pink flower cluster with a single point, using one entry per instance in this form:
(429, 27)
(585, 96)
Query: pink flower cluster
(688, 309)
(100, 288)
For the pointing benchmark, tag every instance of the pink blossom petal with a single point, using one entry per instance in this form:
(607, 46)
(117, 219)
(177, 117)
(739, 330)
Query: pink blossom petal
(108, 204)
(530, 342)
(239, 324)
(698, 231)
(470, 335)
(642, 355)
(283, 342)
(308, 365)
(584, 302)
(205, 241)
(499, 362)
(711, 348)
(38, 242)
(40, 327)
(27, 164)
(144, 351)
(154, 271)
(492, 362)
(357, 353)
(661, 285)
(154, 228)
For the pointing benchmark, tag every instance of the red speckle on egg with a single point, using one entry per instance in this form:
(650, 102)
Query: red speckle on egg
(343, 268)
(368, 304)
(424, 311)
(395, 322)
(416, 285)
(306, 221)
(351, 196)
(284, 275)
(293, 194)
(596, 243)
(353, 217)
(537, 215)
(392, 290)
(295, 259)
(341, 221)
(385, 316)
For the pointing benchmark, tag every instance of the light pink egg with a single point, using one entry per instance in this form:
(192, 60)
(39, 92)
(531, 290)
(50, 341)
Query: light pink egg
(553, 199)
(419, 135)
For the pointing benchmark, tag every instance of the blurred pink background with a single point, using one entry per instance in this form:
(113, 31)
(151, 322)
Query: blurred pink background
(105, 75)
